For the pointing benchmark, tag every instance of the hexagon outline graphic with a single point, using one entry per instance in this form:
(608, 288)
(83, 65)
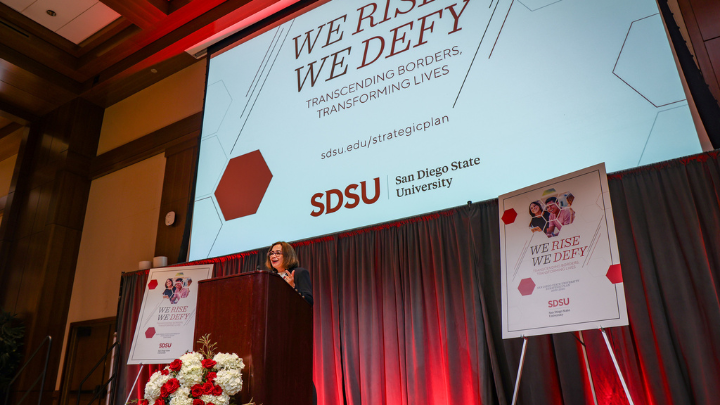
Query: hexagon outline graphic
(659, 127)
(204, 224)
(538, 8)
(209, 175)
(627, 80)
(212, 124)
(243, 185)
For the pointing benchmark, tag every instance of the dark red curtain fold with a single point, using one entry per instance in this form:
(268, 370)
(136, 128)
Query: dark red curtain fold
(409, 312)
(668, 226)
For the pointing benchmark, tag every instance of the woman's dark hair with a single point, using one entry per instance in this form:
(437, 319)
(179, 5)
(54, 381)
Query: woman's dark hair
(171, 282)
(289, 257)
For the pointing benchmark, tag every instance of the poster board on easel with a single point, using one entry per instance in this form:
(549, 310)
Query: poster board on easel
(559, 257)
(166, 322)
(559, 260)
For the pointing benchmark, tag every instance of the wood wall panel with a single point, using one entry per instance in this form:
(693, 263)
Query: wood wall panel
(13, 277)
(713, 49)
(700, 17)
(38, 250)
(71, 193)
(149, 145)
(39, 246)
(83, 350)
(182, 161)
(42, 211)
(144, 17)
(28, 214)
(180, 168)
(708, 17)
(23, 99)
(42, 88)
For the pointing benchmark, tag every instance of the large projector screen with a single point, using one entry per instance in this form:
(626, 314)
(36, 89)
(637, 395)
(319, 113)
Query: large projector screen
(357, 112)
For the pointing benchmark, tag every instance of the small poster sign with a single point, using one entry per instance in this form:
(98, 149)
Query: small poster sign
(560, 264)
(166, 322)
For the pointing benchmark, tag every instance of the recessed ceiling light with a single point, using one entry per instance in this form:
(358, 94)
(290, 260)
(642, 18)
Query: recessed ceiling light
(51, 13)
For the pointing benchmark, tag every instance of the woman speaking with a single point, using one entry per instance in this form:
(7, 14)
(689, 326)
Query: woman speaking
(282, 259)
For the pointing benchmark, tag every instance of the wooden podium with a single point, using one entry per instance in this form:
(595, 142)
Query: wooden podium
(261, 318)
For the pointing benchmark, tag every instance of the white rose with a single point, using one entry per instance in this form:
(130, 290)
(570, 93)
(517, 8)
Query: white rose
(228, 361)
(152, 388)
(191, 359)
(155, 376)
(190, 375)
(230, 380)
(223, 399)
(181, 397)
(152, 392)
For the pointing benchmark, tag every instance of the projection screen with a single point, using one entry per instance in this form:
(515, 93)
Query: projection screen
(356, 112)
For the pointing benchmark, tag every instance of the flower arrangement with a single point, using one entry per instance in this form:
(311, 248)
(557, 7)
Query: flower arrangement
(197, 378)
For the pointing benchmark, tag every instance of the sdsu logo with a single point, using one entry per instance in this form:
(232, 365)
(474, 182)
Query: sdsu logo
(334, 198)
(558, 303)
(165, 345)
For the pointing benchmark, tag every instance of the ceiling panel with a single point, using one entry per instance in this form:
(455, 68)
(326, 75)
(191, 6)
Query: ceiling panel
(18, 5)
(89, 22)
(66, 11)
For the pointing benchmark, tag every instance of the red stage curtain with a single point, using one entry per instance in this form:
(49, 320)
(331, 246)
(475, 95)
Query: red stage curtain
(409, 312)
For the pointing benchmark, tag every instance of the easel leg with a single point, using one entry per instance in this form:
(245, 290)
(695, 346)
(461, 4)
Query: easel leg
(520, 370)
(587, 367)
(133, 386)
(617, 368)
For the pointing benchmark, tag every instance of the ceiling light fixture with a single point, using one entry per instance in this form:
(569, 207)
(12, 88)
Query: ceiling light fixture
(51, 13)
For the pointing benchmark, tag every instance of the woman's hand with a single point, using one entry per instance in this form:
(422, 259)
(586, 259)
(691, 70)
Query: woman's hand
(291, 278)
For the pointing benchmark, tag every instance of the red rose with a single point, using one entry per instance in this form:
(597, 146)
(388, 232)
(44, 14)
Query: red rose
(163, 391)
(210, 403)
(172, 385)
(207, 388)
(176, 365)
(144, 402)
(198, 401)
(211, 376)
(207, 363)
(217, 391)
(160, 401)
(165, 372)
(197, 390)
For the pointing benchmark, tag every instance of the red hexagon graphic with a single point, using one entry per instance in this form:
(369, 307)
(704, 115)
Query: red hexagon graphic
(152, 284)
(508, 217)
(243, 185)
(526, 286)
(150, 332)
(614, 274)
